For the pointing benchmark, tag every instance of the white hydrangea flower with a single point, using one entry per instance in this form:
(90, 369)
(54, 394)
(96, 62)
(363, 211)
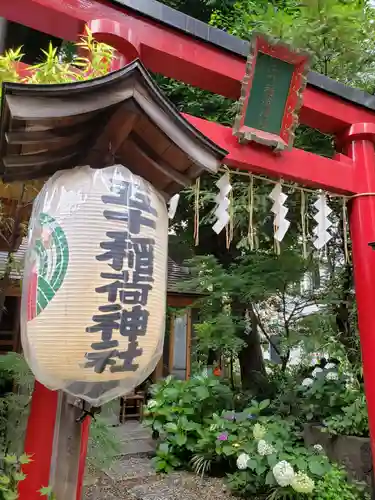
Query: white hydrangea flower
(302, 483)
(332, 376)
(307, 382)
(318, 448)
(151, 404)
(330, 366)
(316, 371)
(283, 473)
(259, 431)
(242, 461)
(265, 449)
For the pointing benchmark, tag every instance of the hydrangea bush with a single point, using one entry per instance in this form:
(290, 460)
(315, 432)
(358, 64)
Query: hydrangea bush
(262, 455)
(334, 400)
(271, 461)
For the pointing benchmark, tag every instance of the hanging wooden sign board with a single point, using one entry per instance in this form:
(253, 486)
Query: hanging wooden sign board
(271, 94)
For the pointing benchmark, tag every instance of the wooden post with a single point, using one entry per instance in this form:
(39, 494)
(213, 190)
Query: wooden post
(57, 444)
(66, 455)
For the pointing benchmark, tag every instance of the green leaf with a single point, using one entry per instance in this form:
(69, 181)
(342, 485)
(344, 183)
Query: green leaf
(264, 404)
(180, 439)
(24, 459)
(272, 460)
(270, 479)
(317, 466)
(170, 427)
(10, 459)
(252, 464)
(164, 448)
(10, 495)
(157, 425)
(46, 491)
(19, 476)
(172, 394)
(301, 464)
(4, 479)
(260, 468)
(161, 465)
(202, 393)
(228, 450)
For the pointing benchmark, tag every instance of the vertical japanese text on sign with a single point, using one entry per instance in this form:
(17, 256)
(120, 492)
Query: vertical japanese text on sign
(129, 278)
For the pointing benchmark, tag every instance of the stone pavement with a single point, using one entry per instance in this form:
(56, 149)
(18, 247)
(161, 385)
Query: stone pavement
(132, 477)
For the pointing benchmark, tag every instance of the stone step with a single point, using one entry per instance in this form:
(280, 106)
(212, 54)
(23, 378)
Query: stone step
(125, 435)
(137, 447)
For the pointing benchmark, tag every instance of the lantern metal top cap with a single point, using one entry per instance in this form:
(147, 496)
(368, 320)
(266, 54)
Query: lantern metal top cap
(122, 117)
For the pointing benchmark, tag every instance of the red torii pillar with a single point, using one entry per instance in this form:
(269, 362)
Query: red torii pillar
(357, 143)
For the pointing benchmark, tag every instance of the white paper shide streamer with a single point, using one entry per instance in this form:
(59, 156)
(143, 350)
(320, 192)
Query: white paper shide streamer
(323, 223)
(172, 206)
(280, 211)
(222, 203)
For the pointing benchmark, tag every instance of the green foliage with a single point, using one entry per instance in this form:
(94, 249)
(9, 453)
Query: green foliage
(16, 384)
(95, 62)
(177, 411)
(200, 9)
(274, 441)
(337, 33)
(11, 475)
(325, 397)
(336, 401)
(254, 283)
(48, 493)
(340, 36)
(196, 431)
(218, 334)
(335, 486)
(103, 445)
(351, 419)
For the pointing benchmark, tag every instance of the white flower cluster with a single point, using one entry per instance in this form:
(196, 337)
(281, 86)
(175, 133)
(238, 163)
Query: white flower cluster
(265, 449)
(285, 476)
(152, 404)
(316, 371)
(330, 366)
(307, 382)
(242, 461)
(318, 448)
(283, 473)
(302, 483)
(259, 431)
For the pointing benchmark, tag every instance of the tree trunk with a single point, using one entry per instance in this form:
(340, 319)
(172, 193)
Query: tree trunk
(343, 323)
(253, 370)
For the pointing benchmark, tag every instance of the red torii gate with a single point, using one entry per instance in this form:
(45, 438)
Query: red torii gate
(180, 47)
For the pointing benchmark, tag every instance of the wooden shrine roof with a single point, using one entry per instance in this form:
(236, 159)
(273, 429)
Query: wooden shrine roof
(122, 117)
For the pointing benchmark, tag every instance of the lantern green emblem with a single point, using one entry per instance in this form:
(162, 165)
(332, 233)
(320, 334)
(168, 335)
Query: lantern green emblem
(50, 254)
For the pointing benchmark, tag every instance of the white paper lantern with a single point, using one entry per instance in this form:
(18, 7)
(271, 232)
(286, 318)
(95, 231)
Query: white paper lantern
(94, 290)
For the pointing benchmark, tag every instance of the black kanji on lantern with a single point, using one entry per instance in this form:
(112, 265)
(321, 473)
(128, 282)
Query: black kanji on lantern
(126, 289)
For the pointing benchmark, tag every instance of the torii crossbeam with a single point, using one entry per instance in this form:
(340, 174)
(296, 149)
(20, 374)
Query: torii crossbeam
(180, 47)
